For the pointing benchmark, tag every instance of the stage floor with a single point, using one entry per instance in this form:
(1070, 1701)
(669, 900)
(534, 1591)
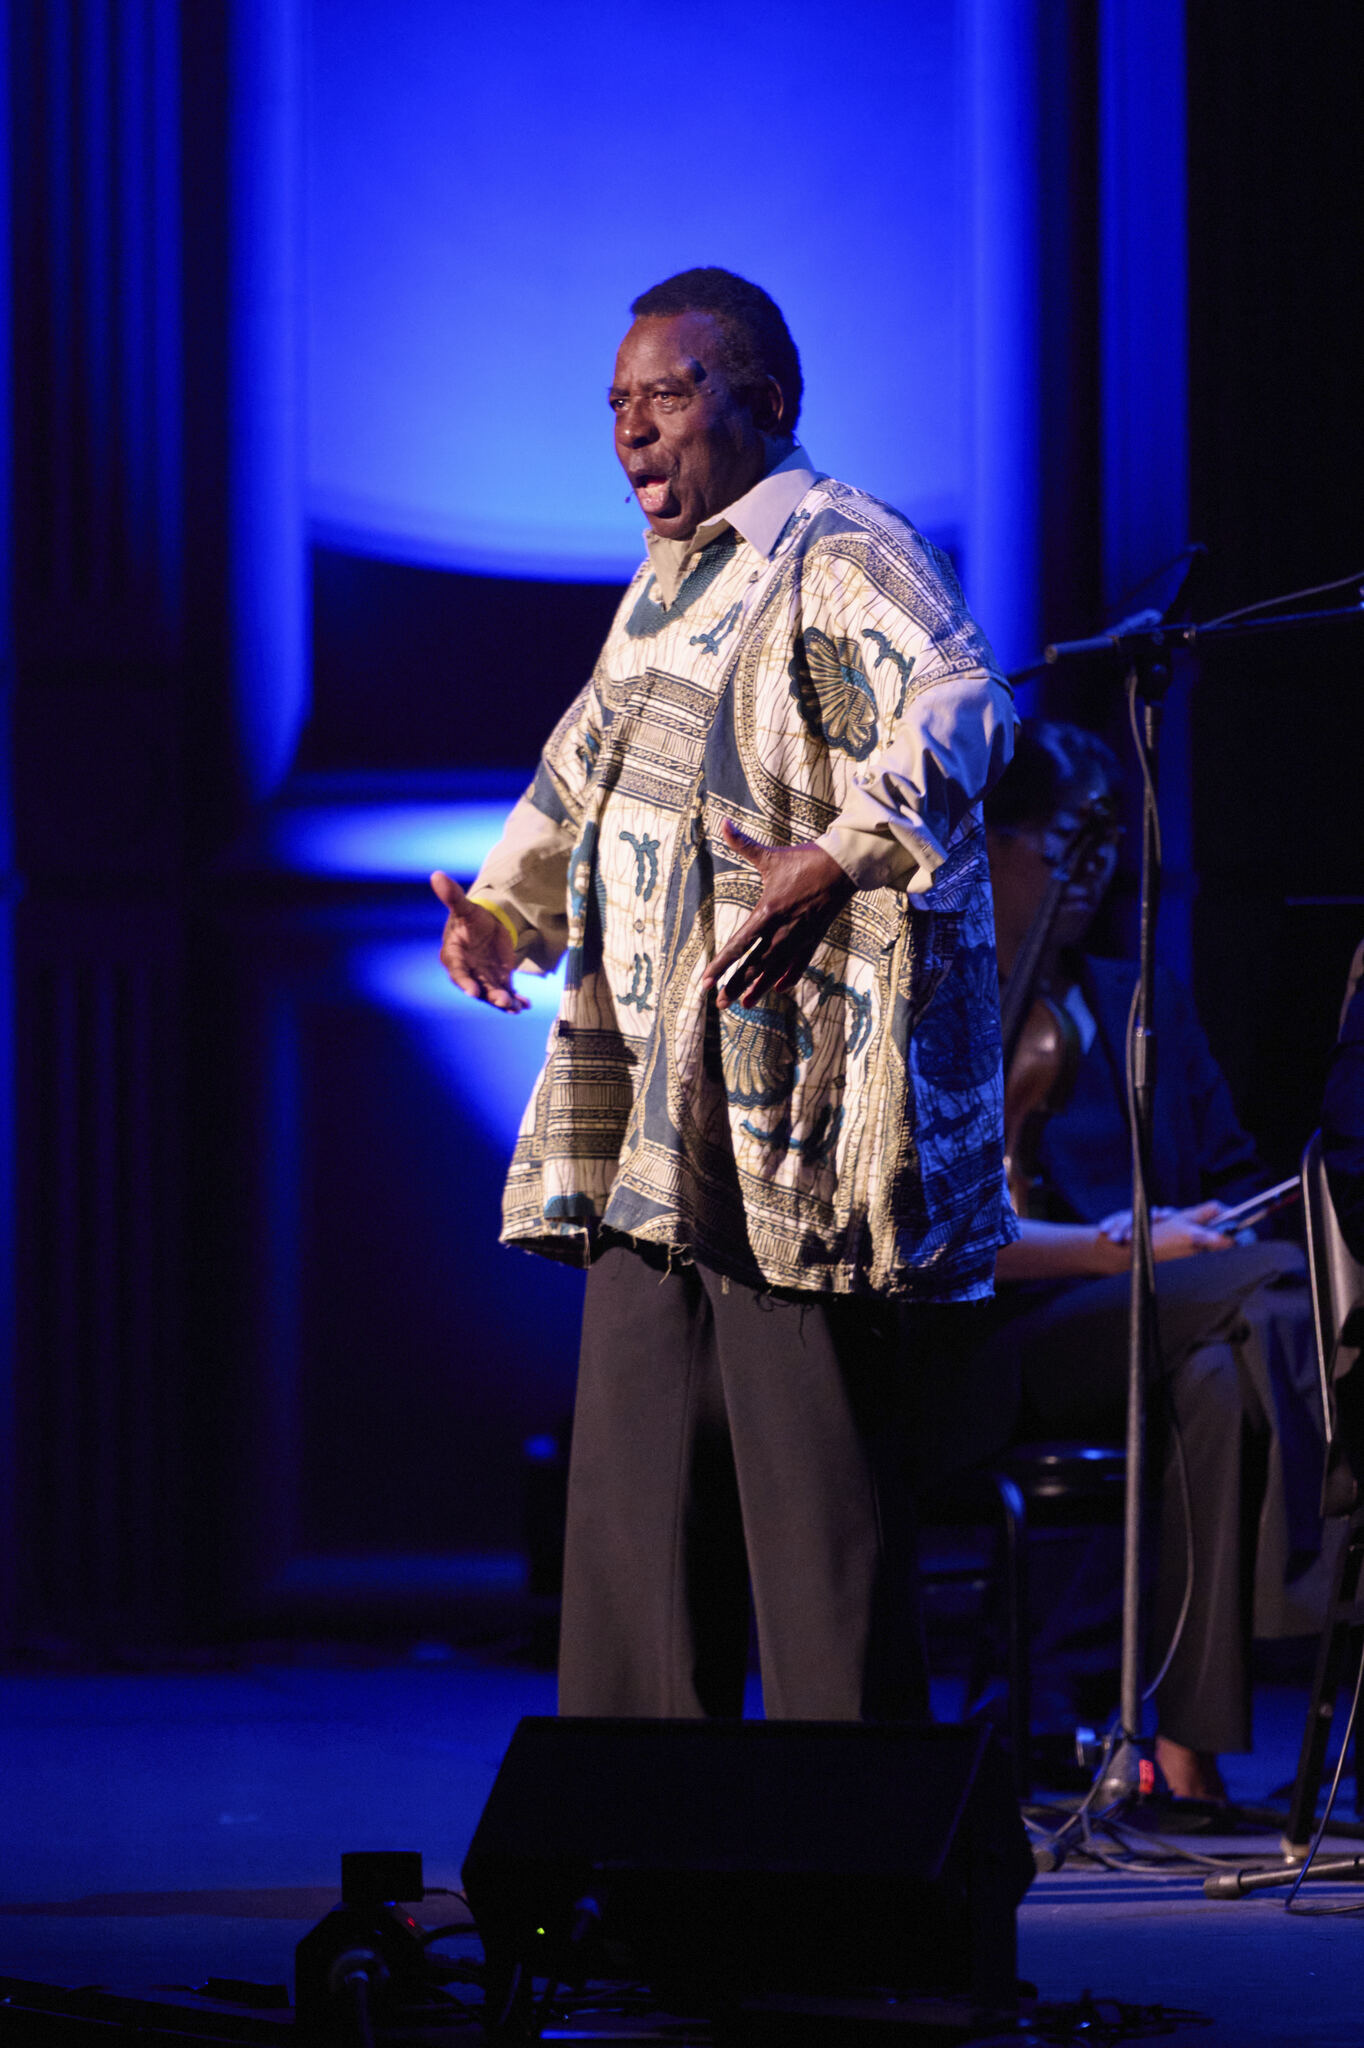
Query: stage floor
(161, 1827)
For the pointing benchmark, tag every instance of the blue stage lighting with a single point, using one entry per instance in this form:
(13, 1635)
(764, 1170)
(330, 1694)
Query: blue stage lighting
(386, 841)
(489, 1060)
(488, 190)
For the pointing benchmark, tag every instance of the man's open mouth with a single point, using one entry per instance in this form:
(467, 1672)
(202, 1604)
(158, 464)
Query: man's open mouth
(652, 488)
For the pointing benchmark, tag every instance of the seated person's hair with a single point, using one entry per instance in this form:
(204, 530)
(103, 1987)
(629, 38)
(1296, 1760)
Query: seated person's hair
(1050, 759)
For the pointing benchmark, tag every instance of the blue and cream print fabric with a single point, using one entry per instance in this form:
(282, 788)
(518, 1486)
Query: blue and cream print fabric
(845, 1137)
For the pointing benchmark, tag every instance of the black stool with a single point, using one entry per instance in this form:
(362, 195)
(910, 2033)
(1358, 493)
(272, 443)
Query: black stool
(1051, 1485)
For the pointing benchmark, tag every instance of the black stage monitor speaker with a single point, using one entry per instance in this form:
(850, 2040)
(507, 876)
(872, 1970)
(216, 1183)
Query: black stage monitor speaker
(726, 1860)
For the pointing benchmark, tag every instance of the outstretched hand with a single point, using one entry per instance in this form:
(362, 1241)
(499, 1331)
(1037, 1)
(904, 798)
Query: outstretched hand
(803, 888)
(476, 949)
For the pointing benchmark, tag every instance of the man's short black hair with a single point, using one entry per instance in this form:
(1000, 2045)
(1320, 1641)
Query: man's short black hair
(1050, 760)
(758, 342)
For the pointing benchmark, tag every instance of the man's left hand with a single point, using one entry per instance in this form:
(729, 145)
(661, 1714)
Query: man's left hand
(803, 889)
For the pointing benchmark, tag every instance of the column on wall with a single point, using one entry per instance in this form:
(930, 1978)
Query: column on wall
(1004, 490)
(266, 534)
(8, 891)
(1144, 373)
(1079, 486)
(97, 737)
(158, 664)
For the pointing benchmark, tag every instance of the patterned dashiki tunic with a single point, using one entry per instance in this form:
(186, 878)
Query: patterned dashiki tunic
(844, 1137)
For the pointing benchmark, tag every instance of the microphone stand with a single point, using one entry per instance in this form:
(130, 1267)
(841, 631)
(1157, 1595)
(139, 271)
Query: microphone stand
(1131, 1773)
(1128, 1775)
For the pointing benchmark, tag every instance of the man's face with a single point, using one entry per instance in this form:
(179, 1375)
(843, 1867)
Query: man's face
(688, 444)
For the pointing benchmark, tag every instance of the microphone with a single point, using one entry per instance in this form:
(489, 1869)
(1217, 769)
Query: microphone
(1103, 643)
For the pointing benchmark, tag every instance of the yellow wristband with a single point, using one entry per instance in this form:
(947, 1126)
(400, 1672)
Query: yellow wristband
(499, 913)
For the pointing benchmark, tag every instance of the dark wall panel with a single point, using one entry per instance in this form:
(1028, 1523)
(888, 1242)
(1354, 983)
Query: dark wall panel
(382, 1357)
(428, 1351)
(1276, 301)
(1276, 292)
(416, 667)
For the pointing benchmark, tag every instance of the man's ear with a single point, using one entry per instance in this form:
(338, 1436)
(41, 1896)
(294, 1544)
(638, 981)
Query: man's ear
(769, 408)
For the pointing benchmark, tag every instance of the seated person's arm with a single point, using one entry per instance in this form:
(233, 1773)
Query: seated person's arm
(1069, 1251)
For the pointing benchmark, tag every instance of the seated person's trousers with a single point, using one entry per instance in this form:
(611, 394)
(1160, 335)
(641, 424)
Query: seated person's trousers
(1051, 1361)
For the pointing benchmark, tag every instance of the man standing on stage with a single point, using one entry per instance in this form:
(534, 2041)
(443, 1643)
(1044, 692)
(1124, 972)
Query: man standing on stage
(772, 1097)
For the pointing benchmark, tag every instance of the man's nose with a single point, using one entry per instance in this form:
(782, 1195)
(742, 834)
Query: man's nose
(634, 424)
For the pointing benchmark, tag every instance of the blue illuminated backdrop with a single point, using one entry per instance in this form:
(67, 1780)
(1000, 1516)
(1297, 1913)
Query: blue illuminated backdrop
(486, 190)
(489, 188)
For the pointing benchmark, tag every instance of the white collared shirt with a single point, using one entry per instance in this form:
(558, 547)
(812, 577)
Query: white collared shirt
(759, 515)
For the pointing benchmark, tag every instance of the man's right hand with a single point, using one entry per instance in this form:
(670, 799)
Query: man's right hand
(476, 949)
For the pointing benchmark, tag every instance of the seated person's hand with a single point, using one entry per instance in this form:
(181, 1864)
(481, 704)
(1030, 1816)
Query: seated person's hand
(1175, 1233)
(1065, 1251)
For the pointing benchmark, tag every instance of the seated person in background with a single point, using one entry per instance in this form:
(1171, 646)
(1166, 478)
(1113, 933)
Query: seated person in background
(1051, 1359)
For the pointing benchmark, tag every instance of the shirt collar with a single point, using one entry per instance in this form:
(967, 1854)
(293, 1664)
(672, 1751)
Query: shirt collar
(759, 516)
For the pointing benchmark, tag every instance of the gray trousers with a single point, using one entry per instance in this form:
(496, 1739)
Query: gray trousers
(1216, 1406)
(1056, 1366)
(721, 1438)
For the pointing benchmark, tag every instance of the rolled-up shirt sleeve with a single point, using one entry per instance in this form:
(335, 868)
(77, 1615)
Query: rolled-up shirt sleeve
(524, 880)
(885, 622)
(953, 740)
